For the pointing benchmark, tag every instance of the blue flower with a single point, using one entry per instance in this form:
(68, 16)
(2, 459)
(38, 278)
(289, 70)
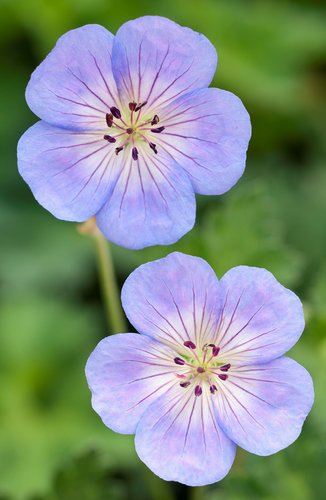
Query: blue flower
(129, 131)
(207, 372)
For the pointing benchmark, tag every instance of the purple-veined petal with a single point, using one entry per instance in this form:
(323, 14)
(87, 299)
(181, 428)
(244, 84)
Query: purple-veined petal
(74, 87)
(156, 60)
(207, 131)
(261, 319)
(69, 172)
(152, 202)
(262, 407)
(179, 439)
(173, 300)
(125, 373)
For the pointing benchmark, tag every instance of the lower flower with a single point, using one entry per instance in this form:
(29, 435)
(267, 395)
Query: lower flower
(206, 373)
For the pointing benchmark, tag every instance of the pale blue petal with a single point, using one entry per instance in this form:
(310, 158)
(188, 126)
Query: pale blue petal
(152, 203)
(155, 60)
(173, 300)
(126, 373)
(70, 173)
(207, 131)
(179, 439)
(262, 407)
(74, 87)
(261, 319)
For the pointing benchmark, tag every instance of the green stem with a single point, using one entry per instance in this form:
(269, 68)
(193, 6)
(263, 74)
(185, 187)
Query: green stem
(198, 493)
(111, 297)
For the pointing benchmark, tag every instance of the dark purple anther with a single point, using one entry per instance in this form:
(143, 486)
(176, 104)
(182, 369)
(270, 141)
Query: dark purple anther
(157, 130)
(140, 105)
(198, 390)
(116, 113)
(200, 370)
(109, 119)
(109, 138)
(179, 361)
(184, 384)
(225, 368)
(213, 388)
(222, 376)
(189, 344)
(129, 130)
(153, 147)
(134, 153)
(215, 350)
(155, 120)
(117, 150)
(132, 106)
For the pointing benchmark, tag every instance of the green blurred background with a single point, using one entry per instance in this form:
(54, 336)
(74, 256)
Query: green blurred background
(52, 445)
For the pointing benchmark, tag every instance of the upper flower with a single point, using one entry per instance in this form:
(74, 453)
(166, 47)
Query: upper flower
(207, 372)
(129, 132)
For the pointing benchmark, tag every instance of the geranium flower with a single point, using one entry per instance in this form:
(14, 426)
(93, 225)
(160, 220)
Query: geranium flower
(129, 131)
(207, 372)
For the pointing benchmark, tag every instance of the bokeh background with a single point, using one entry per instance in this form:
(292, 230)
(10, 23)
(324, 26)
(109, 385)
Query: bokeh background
(52, 445)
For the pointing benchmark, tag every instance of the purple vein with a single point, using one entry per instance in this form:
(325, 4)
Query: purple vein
(170, 85)
(189, 422)
(252, 394)
(103, 78)
(81, 159)
(149, 395)
(178, 310)
(158, 73)
(165, 319)
(89, 89)
(232, 317)
(244, 326)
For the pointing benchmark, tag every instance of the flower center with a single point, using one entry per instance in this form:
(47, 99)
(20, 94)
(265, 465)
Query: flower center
(126, 131)
(202, 367)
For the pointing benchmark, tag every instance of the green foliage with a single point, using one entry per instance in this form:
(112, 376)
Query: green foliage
(53, 446)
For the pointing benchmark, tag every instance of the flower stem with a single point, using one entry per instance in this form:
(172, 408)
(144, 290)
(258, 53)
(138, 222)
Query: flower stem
(112, 304)
(197, 493)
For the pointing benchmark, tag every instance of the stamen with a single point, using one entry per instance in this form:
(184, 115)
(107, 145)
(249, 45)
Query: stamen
(153, 147)
(222, 376)
(185, 384)
(117, 150)
(213, 388)
(115, 111)
(225, 368)
(215, 351)
(140, 105)
(179, 361)
(109, 119)
(109, 138)
(134, 153)
(189, 344)
(132, 106)
(198, 390)
(155, 120)
(157, 130)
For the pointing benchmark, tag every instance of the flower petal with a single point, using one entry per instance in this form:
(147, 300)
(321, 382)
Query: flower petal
(155, 60)
(70, 173)
(262, 407)
(74, 86)
(152, 203)
(179, 439)
(125, 373)
(261, 319)
(173, 300)
(207, 132)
